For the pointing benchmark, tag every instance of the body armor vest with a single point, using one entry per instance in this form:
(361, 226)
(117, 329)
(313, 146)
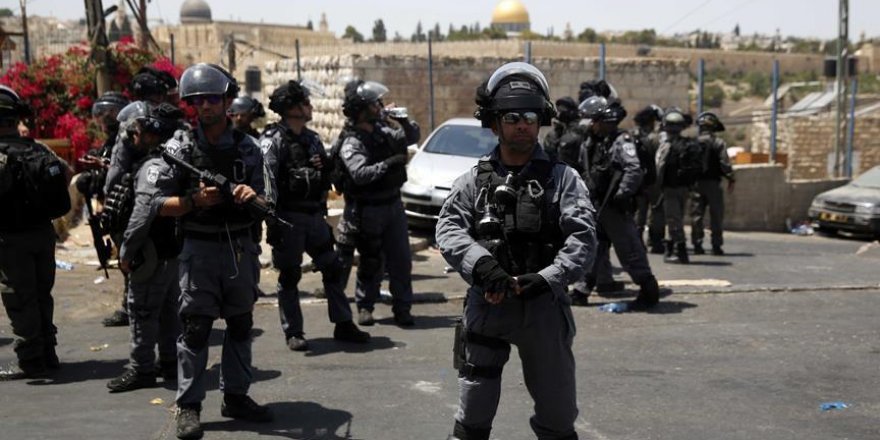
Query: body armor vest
(528, 236)
(229, 163)
(379, 148)
(601, 165)
(298, 180)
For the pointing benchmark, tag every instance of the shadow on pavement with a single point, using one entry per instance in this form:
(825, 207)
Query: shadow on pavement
(295, 420)
(735, 254)
(322, 346)
(669, 308)
(74, 372)
(5, 341)
(425, 322)
(212, 376)
(708, 263)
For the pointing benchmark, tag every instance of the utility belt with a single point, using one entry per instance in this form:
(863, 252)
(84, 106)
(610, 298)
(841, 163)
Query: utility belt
(301, 208)
(219, 236)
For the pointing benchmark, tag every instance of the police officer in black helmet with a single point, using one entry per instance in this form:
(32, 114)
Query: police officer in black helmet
(677, 158)
(218, 263)
(371, 156)
(707, 190)
(33, 191)
(243, 111)
(614, 177)
(563, 142)
(295, 155)
(519, 229)
(649, 196)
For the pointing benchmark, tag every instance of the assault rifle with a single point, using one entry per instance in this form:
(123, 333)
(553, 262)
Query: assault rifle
(102, 245)
(225, 186)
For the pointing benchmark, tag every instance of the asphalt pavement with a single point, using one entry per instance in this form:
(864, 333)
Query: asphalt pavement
(748, 346)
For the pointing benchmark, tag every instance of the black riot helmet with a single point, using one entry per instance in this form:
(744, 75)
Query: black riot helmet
(246, 104)
(161, 119)
(649, 115)
(11, 105)
(598, 87)
(108, 103)
(514, 86)
(359, 94)
(287, 96)
(708, 121)
(149, 81)
(207, 79)
(676, 120)
(567, 109)
(601, 109)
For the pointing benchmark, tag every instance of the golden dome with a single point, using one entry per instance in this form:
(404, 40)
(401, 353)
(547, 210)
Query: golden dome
(510, 11)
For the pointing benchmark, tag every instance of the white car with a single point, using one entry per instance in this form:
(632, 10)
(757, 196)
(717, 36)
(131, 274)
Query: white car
(451, 150)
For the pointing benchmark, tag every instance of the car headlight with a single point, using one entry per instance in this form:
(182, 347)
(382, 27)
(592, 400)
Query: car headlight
(416, 176)
(818, 203)
(868, 208)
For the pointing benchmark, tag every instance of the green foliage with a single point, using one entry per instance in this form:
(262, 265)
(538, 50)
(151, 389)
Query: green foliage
(589, 35)
(380, 35)
(713, 96)
(353, 34)
(6, 12)
(419, 35)
(758, 84)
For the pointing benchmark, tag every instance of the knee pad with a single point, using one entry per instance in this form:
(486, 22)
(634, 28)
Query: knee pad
(197, 331)
(461, 432)
(289, 277)
(239, 327)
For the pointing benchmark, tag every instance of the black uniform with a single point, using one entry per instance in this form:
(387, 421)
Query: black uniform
(33, 191)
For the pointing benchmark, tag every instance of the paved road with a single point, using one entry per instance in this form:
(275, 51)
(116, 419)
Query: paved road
(739, 364)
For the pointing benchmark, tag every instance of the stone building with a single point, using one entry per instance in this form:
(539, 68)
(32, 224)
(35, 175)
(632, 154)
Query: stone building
(233, 44)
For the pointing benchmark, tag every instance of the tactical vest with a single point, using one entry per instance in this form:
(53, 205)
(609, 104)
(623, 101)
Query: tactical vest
(379, 148)
(33, 185)
(531, 235)
(298, 180)
(119, 204)
(711, 158)
(229, 163)
(601, 171)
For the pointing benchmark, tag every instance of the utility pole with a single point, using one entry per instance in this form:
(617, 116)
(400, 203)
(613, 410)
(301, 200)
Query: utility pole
(99, 43)
(840, 84)
(24, 32)
(143, 41)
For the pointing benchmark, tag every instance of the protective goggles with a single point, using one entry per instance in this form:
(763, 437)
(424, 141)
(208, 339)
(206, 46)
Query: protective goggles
(513, 118)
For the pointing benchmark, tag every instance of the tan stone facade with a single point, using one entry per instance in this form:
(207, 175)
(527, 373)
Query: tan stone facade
(809, 143)
(639, 81)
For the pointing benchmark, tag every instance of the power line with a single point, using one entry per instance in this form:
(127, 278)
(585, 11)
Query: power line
(691, 12)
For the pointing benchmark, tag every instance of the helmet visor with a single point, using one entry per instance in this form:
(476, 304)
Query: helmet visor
(518, 68)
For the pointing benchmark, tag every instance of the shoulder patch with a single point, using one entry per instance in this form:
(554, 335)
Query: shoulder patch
(347, 151)
(629, 149)
(265, 144)
(153, 174)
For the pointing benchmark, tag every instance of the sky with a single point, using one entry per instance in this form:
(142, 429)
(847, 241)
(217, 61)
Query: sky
(802, 18)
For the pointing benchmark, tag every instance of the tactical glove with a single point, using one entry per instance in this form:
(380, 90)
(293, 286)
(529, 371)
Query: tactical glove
(489, 275)
(532, 285)
(397, 159)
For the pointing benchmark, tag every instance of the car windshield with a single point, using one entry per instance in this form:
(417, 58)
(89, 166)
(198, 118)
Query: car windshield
(462, 140)
(870, 179)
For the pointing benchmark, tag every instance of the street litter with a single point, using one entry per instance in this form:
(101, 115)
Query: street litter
(448, 269)
(618, 307)
(802, 229)
(99, 280)
(157, 401)
(99, 347)
(828, 406)
(63, 265)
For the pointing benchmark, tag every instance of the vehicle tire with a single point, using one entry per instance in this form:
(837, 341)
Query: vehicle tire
(826, 231)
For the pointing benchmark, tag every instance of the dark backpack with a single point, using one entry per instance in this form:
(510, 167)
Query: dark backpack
(647, 162)
(691, 160)
(39, 175)
(338, 174)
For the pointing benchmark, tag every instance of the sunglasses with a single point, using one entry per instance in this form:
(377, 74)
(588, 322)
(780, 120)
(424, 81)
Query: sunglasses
(201, 99)
(513, 118)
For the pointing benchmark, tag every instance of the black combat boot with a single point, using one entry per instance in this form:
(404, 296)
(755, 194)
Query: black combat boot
(131, 380)
(461, 432)
(51, 358)
(404, 318)
(716, 250)
(188, 424)
(613, 286)
(656, 244)
(118, 319)
(298, 343)
(365, 317)
(167, 369)
(649, 295)
(241, 406)
(698, 249)
(24, 369)
(579, 298)
(682, 253)
(348, 332)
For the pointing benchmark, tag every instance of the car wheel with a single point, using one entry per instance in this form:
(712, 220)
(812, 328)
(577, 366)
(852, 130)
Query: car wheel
(826, 231)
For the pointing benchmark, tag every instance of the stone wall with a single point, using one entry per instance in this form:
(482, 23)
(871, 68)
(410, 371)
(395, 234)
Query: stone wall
(764, 200)
(809, 143)
(639, 81)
